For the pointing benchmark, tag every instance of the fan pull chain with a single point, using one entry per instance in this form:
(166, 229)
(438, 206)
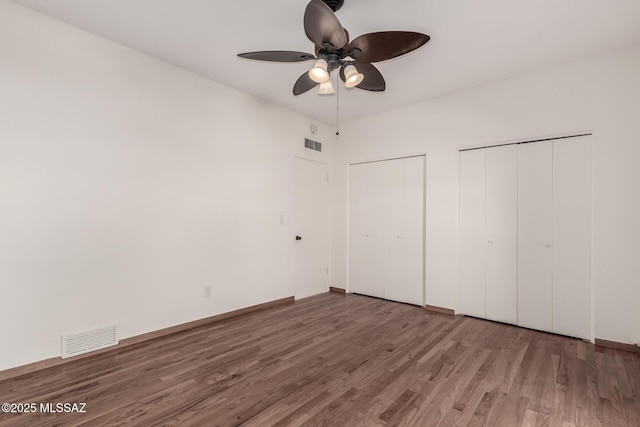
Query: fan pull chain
(337, 105)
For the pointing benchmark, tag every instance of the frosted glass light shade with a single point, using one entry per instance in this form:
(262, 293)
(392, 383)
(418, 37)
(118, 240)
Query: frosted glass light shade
(352, 77)
(326, 88)
(319, 73)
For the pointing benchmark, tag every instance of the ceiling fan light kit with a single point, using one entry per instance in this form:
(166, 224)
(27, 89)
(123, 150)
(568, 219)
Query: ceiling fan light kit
(352, 77)
(326, 88)
(334, 51)
(319, 72)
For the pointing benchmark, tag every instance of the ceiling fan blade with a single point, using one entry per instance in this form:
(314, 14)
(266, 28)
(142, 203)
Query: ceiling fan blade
(278, 56)
(385, 45)
(303, 84)
(373, 80)
(322, 26)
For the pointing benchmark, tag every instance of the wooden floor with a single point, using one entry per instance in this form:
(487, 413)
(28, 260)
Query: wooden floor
(337, 360)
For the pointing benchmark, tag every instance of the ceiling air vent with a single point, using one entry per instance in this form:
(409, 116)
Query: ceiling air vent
(312, 145)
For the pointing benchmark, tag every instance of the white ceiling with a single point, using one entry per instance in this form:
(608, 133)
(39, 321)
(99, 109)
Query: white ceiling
(472, 42)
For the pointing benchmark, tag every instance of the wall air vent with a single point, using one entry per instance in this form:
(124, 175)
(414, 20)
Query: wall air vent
(85, 342)
(312, 145)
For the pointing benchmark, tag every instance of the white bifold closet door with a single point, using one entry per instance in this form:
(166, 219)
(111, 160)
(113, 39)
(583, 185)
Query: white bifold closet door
(366, 225)
(488, 233)
(535, 235)
(502, 219)
(572, 236)
(472, 240)
(554, 236)
(386, 216)
(525, 235)
(404, 230)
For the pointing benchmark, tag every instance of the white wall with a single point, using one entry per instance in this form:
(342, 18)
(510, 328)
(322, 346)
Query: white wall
(600, 94)
(127, 185)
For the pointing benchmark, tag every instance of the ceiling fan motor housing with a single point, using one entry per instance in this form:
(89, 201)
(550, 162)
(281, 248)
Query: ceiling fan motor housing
(334, 4)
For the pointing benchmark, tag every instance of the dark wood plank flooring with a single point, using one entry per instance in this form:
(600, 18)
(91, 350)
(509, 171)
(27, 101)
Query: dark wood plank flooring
(336, 360)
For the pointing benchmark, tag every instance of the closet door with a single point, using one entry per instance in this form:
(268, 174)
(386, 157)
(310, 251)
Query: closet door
(404, 231)
(572, 236)
(366, 228)
(501, 255)
(535, 228)
(471, 230)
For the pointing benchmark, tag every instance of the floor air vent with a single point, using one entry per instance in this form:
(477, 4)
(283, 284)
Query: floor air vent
(85, 342)
(312, 145)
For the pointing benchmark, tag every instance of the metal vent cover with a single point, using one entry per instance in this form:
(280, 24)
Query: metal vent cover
(87, 341)
(312, 145)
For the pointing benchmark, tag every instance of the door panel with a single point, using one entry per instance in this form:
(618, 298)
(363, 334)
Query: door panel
(393, 227)
(404, 230)
(312, 224)
(472, 237)
(535, 228)
(501, 256)
(366, 225)
(572, 236)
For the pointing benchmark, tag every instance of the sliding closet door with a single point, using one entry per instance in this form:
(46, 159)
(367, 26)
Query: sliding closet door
(501, 229)
(472, 238)
(366, 228)
(572, 236)
(404, 213)
(535, 229)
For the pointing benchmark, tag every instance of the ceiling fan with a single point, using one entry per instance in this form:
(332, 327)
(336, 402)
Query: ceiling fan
(334, 51)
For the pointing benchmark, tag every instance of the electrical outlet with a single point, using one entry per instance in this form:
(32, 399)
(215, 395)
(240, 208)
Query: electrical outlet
(207, 291)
